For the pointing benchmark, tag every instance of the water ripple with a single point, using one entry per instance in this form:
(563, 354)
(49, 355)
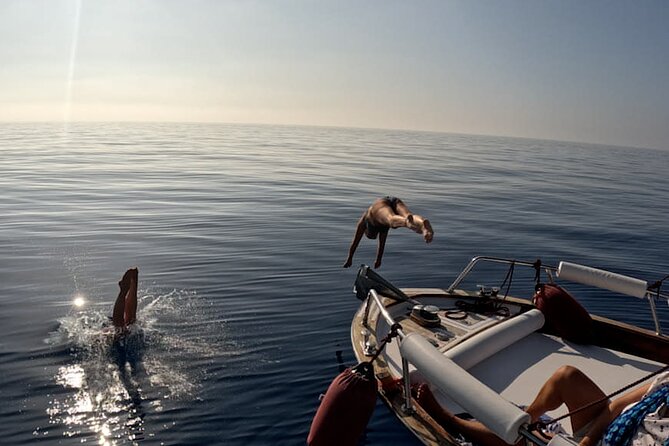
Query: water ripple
(240, 233)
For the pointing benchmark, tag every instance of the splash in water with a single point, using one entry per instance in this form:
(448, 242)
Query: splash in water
(113, 381)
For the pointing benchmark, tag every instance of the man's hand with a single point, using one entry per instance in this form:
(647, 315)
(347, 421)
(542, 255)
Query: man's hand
(348, 263)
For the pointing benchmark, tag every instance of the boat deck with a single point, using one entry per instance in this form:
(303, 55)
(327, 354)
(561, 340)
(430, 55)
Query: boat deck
(515, 372)
(518, 371)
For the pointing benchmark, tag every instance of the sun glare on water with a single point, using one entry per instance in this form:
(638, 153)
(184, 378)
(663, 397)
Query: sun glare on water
(79, 301)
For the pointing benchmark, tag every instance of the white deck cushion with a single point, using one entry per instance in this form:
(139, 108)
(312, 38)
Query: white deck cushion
(499, 415)
(602, 279)
(519, 371)
(485, 344)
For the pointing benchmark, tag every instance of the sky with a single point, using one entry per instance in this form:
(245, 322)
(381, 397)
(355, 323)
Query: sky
(591, 71)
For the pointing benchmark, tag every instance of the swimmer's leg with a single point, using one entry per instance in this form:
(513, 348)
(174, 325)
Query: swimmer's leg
(396, 215)
(415, 222)
(119, 306)
(130, 310)
(401, 208)
(385, 215)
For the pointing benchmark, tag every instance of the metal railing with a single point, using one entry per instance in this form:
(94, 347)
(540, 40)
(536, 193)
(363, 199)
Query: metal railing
(373, 297)
(550, 270)
(473, 262)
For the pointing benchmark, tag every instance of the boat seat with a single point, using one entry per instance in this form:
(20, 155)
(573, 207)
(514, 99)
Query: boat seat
(483, 345)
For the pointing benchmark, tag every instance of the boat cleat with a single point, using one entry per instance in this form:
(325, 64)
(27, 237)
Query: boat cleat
(368, 347)
(443, 335)
(486, 291)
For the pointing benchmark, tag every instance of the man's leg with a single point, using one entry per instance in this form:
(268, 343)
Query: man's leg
(118, 318)
(130, 310)
(569, 386)
(416, 223)
(385, 215)
(473, 430)
(401, 208)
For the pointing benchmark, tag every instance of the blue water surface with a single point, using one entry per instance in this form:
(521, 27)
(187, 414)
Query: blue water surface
(240, 232)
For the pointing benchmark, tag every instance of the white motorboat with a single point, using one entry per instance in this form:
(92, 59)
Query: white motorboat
(485, 354)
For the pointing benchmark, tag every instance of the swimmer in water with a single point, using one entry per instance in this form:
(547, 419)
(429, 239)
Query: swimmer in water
(125, 308)
(384, 214)
(127, 342)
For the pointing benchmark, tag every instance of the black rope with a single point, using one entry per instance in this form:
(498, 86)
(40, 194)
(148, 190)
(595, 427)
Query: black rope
(456, 314)
(658, 284)
(391, 334)
(509, 277)
(537, 273)
(658, 287)
(542, 424)
(484, 306)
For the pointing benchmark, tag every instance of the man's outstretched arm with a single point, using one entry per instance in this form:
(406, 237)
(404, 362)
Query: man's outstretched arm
(359, 230)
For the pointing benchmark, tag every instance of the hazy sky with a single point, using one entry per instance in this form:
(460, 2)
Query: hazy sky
(595, 71)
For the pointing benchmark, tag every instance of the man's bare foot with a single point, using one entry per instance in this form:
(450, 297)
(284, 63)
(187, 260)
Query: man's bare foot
(423, 395)
(428, 233)
(425, 398)
(124, 283)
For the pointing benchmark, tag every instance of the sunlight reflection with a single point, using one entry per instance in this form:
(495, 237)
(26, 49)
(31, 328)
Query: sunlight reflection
(106, 402)
(112, 382)
(71, 376)
(79, 300)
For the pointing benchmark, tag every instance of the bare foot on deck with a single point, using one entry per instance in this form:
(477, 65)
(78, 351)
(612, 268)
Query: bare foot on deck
(425, 398)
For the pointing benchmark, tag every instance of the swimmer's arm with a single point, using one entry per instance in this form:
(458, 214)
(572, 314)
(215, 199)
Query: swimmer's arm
(609, 414)
(379, 251)
(359, 230)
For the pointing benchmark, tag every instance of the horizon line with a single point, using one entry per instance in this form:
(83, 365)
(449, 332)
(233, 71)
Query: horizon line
(333, 126)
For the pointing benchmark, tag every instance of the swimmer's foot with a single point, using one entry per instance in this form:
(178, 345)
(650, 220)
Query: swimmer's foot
(124, 283)
(428, 233)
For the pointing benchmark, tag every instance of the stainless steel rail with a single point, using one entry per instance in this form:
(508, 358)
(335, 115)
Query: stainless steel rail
(373, 297)
(473, 262)
(651, 295)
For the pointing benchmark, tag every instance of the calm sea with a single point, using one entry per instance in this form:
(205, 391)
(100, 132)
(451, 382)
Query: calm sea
(240, 233)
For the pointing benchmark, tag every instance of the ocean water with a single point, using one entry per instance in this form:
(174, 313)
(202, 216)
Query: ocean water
(239, 233)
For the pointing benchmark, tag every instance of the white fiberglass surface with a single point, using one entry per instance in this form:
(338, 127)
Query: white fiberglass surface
(518, 371)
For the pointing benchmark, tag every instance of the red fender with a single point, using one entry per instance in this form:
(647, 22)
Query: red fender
(346, 408)
(564, 315)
